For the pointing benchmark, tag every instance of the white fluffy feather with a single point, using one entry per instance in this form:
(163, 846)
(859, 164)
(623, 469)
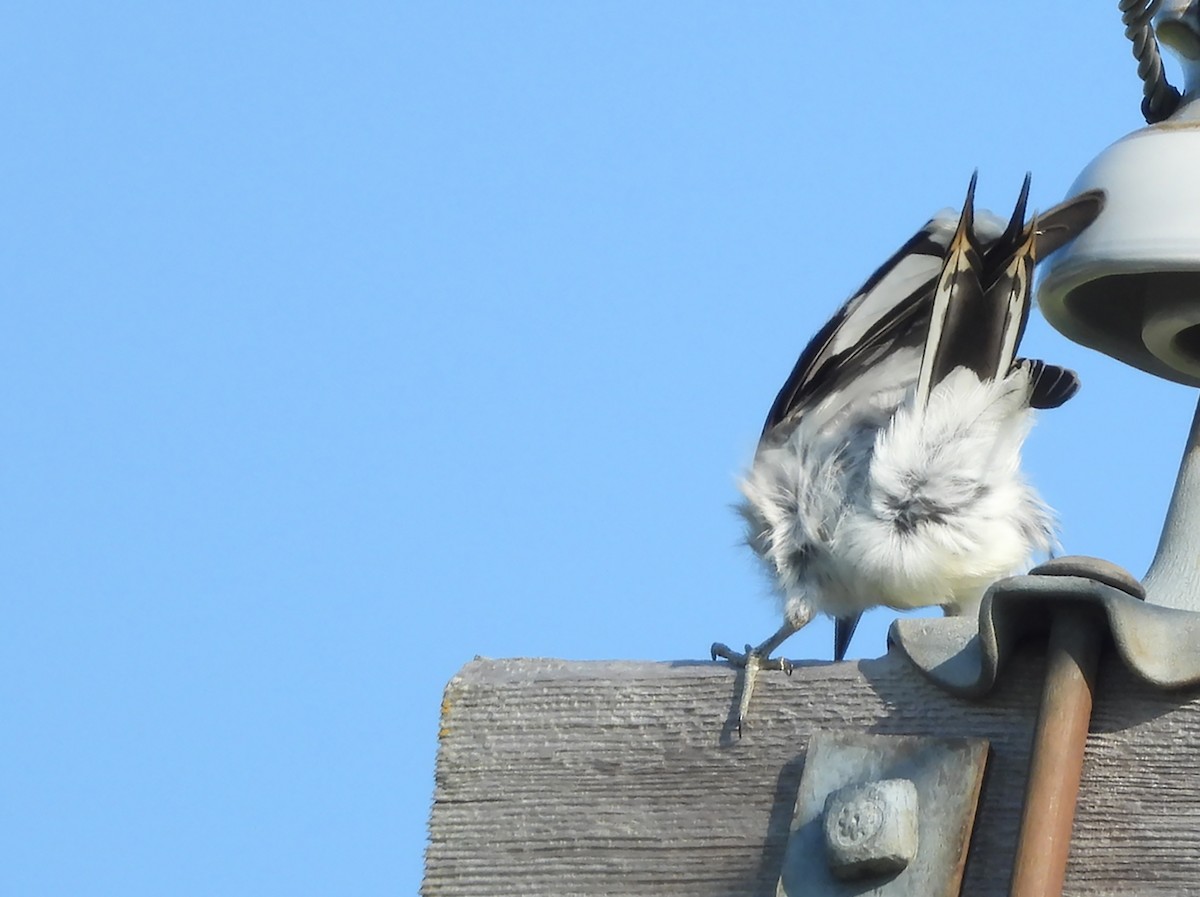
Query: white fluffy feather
(871, 501)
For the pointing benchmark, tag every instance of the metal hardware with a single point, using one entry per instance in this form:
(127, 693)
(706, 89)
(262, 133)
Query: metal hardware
(1056, 763)
(871, 829)
(883, 815)
(964, 656)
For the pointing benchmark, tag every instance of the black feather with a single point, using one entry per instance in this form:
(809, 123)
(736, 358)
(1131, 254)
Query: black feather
(1049, 385)
(964, 329)
(843, 631)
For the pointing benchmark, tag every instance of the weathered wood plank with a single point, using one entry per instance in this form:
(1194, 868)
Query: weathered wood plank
(622, 778)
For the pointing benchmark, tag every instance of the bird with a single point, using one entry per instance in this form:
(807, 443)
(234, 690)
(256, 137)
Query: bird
(888, 468)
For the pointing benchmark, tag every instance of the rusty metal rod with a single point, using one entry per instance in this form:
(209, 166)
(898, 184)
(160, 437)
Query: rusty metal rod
(1057, 760)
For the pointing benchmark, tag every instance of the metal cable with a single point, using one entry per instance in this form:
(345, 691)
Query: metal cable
(1159, 98)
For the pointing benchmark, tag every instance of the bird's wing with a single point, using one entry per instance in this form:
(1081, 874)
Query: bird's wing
(1049, 384)
(891, 309)
(883, 313)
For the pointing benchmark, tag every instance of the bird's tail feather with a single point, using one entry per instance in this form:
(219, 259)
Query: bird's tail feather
(982, 300)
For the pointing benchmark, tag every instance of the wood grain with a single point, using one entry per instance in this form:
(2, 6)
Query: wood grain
(622, 778)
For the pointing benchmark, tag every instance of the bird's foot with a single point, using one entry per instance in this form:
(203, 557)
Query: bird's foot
(751, 660)
(751, 656)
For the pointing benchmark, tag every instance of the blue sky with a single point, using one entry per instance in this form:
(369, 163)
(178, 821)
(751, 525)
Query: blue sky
(344, 342)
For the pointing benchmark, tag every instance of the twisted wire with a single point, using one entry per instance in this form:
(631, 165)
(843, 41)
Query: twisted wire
(1159, 97)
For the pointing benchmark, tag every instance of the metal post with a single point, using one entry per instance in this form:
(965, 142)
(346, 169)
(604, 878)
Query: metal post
(1057, 760)
(1173, 579)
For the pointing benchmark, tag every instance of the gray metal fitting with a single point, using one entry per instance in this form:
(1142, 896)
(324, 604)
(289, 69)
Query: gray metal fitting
(871, 829)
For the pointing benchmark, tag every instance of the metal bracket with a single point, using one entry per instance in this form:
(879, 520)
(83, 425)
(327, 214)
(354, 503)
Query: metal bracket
(964, 656)
(883, 815)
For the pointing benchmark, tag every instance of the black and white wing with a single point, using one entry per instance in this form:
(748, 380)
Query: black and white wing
(889, 311)
(892, 309)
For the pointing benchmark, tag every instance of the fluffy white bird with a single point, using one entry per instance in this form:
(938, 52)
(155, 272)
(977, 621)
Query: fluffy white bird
(888, 471)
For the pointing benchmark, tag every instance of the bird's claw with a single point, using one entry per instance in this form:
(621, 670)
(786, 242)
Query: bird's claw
(751, 660)
(724, 652)
(740, 659)
(773, 663)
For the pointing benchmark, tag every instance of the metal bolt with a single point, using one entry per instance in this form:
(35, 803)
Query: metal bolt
(871, 829)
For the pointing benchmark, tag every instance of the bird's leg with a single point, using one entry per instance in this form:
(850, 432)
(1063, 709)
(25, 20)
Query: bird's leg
(759, 658)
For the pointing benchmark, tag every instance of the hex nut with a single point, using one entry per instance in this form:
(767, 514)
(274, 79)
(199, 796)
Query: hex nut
(871, 829)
